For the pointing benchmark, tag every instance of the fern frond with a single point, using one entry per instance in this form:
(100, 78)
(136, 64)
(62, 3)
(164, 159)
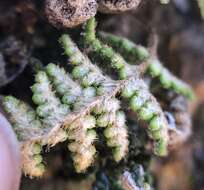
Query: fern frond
(70, 105)
(135, 90)
(135, 53)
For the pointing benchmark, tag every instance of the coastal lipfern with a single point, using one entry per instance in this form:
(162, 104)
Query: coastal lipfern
(72, 103)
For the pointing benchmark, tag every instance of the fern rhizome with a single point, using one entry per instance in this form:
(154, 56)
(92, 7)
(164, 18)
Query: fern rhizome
(71, 105)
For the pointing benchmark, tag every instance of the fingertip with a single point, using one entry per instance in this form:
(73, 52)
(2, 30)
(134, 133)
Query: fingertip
(9, 157)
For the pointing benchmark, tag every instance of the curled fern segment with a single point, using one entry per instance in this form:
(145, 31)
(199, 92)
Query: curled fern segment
(117, 136)
(32, 160)
(71, 50)
(106, 112)
(49, 107)
(87, 74)
(113, 120)
(167, 79)
(104, 52)
(64, 85)
(130, 51)
(22, 117)
(148, 110)
(82, 136)
(25, 122)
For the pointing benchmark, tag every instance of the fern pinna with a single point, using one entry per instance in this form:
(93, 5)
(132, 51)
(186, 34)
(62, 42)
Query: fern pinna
(71, 105)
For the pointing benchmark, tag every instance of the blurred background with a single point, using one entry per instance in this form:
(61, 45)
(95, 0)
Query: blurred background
(27, 40)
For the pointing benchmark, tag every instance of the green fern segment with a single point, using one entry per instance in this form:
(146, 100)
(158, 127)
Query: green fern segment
(130, 51)
(90, 34)
(71, 50)
(68, 90)
(49, 107)
(87, 74)
(22, 117)
(117, 136)
(25, 121)
(84, 69)
(112, 119)
(133, 53)
(148, 110)
(106, 53)
(32, 160)
(82, 137)
(167, 80)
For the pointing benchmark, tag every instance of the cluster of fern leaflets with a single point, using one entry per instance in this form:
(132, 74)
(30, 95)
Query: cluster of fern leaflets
(134, 53)
(71, 105)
